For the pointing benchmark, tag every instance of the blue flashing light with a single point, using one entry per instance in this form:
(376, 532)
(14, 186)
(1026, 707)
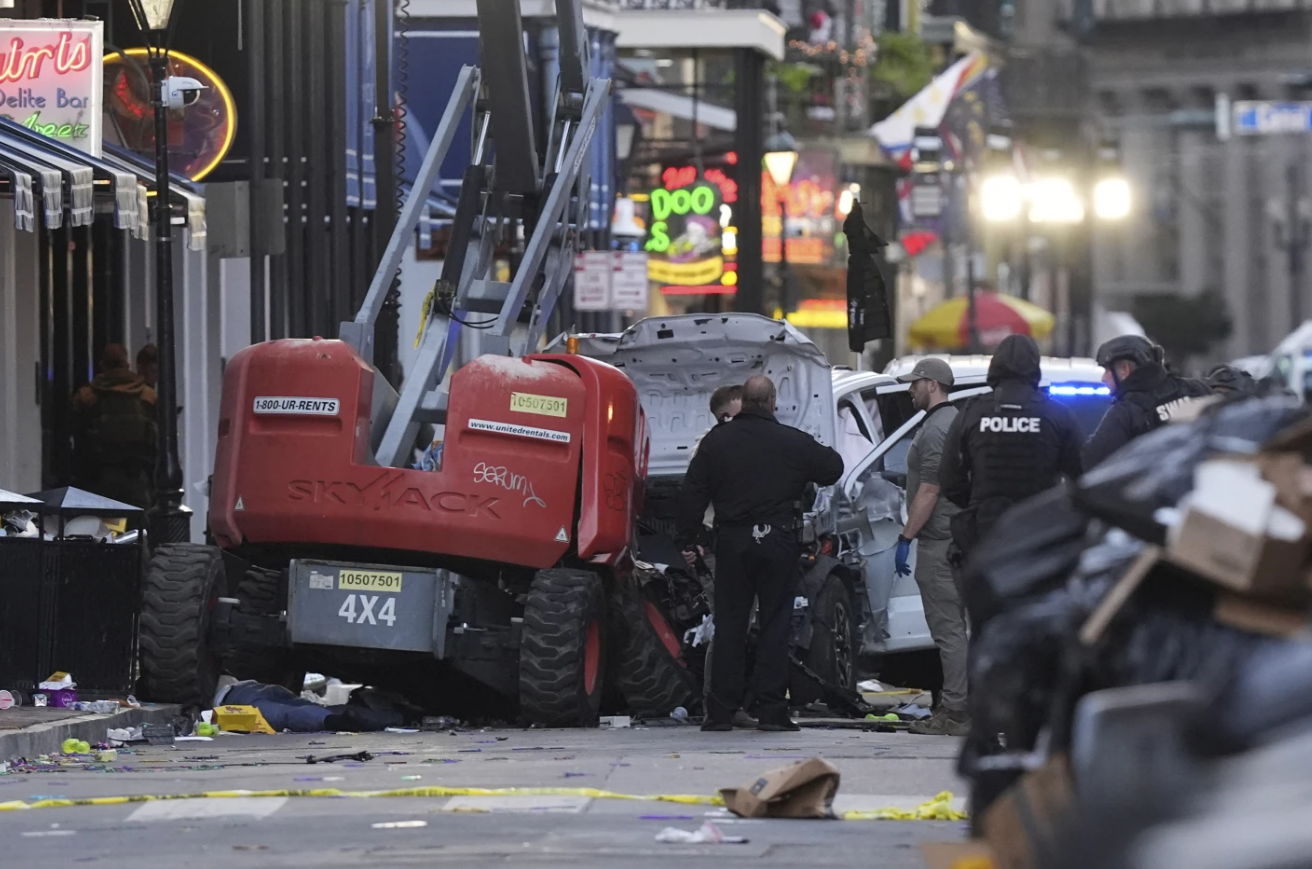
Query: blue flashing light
(1078, 390)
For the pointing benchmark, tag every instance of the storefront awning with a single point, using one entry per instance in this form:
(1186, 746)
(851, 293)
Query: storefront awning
(680, 106)
(36, 164)
(183, 192)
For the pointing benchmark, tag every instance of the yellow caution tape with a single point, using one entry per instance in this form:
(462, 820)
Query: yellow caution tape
(423, 315)
(937, 809)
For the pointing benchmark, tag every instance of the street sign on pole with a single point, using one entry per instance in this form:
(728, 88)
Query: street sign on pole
(628, 286)
(1264, 118)
(592, 276)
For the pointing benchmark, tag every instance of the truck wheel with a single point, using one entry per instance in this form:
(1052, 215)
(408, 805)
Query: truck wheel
(183, 583)
(258, 593)
(562, 650)
(832, 655)
(651, 674)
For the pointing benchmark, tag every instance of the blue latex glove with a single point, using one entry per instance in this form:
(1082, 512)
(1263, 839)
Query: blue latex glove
(903, 553)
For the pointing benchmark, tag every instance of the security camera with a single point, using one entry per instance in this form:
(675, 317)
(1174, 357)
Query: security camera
(181, 92)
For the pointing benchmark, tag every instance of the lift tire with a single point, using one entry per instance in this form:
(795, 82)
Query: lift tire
(258, 593)
(646, 661)
(562, 649)
(183, 584)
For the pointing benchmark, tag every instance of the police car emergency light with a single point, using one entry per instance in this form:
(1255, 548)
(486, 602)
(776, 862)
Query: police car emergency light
(1078, 389)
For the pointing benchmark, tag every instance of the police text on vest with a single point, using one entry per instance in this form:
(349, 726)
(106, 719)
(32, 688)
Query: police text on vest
(1010, 424)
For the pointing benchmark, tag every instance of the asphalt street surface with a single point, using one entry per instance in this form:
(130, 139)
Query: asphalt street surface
(879, 771)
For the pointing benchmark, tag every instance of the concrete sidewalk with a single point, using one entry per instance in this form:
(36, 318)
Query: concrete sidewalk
(29, 731)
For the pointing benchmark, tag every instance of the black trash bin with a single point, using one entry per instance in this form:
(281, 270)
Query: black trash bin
(21, 570)
(87, 598)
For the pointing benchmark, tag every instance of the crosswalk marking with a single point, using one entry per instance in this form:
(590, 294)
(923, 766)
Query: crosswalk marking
(217, 807)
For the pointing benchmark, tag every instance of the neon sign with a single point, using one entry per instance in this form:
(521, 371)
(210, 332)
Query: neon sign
(684, 241)
(199, 139)
(25, 63)
(50, 71)
(681, 202)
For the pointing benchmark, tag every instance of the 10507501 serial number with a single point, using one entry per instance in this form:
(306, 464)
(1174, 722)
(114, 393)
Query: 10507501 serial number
(370, 580)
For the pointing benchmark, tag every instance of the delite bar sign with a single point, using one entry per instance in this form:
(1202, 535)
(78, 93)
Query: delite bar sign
(311, 406)
(51, 78)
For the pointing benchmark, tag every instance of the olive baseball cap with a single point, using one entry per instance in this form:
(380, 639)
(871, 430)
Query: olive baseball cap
(930, 369)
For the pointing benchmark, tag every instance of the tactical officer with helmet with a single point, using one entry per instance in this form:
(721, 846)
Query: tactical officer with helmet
(1007, 446)
(1147, 395)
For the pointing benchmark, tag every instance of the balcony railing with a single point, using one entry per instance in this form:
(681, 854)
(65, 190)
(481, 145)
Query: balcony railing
(1138, 10)
(685, 5)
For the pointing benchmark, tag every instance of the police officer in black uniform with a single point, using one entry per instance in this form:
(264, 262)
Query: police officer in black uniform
(1147, 395)
(754, 471)
(1006, 446)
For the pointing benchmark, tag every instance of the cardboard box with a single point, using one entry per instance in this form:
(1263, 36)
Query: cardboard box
(957, 855)
(1023, 826)
(1235, 532)
(1261, 617)
(801, 790)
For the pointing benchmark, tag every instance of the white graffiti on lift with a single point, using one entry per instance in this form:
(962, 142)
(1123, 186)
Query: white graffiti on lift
(499, 475)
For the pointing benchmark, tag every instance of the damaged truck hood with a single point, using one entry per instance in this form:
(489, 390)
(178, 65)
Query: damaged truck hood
(677, 362)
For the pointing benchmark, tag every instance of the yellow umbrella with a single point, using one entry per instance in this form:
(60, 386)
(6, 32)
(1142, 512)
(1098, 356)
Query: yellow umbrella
(946, 326)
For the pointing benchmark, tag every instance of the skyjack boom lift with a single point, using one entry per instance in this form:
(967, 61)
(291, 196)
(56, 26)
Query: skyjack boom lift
(500, 569)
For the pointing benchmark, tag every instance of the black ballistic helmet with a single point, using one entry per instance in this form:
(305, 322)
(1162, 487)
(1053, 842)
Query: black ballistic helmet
(1129, 348)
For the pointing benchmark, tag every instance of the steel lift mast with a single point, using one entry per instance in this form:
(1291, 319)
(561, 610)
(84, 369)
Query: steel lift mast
(507, 185)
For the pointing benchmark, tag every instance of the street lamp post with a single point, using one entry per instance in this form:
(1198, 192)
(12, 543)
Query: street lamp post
(171, 520)
(780, 161)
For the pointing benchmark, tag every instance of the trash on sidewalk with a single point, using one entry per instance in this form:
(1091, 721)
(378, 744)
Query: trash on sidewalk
(241, 719)
(358, 757)
(800, 790)
(615, 722)
(870, 686)
(75, 746)
(10, 699)
(707, 834)
(57, 682)
(59, 688)
(158, 734)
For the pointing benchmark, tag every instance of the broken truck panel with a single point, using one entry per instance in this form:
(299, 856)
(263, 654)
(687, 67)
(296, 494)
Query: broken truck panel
(677, 362)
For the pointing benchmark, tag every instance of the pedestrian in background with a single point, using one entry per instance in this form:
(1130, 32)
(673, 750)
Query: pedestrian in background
(115, 433)
(726, 402)
(148, 365)
(1147, 395)
(754, 471)
(929, 518)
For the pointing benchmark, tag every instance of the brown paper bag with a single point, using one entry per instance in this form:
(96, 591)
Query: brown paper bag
(802, 790)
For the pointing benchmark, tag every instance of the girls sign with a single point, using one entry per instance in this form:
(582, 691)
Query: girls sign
(51, 77)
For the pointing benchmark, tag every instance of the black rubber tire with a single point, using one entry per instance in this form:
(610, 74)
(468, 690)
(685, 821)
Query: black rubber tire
(832, 654)
(833, 651)
(653, 680)
(183, 582)
(562, 608)
(259, 595)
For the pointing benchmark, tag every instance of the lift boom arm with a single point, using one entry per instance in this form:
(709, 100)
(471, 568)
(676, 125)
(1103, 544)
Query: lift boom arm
(547, 197)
